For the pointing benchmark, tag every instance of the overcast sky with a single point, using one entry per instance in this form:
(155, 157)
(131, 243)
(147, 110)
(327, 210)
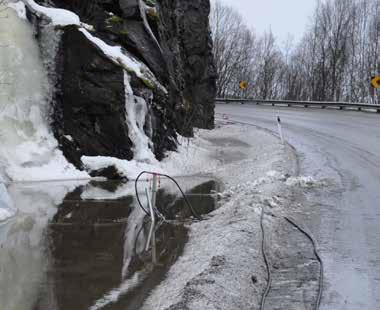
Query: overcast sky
(283, 16)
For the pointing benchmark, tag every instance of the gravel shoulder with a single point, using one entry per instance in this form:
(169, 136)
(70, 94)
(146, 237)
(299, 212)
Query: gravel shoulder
(222, 266)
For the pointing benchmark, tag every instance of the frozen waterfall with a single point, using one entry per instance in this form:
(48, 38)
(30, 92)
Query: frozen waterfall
(28, 149)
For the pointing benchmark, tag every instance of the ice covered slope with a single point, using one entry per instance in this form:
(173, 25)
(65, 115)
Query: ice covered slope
(28, 149)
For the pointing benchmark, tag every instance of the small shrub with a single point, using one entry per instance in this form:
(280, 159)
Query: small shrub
(148, 83)
(114, 19)
(152, 13)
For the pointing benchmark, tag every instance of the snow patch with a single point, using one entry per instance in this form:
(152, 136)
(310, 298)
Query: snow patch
(70, 138)
(121, 57)
(306, 182)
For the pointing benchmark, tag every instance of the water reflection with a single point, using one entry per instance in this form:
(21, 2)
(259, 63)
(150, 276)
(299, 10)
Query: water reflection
(88, 249)
(23, 255)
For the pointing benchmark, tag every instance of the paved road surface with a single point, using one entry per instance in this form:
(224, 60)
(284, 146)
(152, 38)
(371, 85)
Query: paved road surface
(344, 147)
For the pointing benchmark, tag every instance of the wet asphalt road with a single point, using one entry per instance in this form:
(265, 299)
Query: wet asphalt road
(344, 148)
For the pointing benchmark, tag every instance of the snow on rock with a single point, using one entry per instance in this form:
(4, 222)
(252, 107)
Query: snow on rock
(193, 156)
(136, 107)
(59, 17)
(117, 54)
(143, 10)
(121, 57)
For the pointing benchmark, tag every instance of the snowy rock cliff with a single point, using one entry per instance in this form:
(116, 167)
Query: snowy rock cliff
(126, 75)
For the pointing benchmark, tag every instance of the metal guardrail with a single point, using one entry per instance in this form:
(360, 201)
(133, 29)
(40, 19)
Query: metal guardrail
(305, 104)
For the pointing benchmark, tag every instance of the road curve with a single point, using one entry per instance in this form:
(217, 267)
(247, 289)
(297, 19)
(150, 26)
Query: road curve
(343, 147)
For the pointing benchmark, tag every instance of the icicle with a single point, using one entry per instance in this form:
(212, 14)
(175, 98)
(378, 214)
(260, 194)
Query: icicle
(137, 109)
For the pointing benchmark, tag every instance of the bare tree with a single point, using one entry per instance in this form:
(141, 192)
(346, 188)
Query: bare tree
(233, 47)
(335, 59)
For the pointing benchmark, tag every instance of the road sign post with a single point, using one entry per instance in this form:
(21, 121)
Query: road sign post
(243, 87)
(375, 85)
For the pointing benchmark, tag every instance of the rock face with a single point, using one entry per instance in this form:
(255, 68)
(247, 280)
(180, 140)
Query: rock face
(185, 36)
(92, 89)
(171, 37)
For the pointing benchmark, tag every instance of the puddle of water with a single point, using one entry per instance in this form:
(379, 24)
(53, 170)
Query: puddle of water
(229, 142)
(88, 249)
(175, 207)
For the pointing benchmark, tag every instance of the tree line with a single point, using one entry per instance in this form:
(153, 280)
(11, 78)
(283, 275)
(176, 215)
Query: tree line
(334, 61)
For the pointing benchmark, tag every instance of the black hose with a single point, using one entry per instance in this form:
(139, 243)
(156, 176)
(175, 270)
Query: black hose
(138, 236)
(193, 212)
(319, 298)
(269, 275)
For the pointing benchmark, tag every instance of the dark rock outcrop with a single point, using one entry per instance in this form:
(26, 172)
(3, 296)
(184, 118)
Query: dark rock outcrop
(186, 41)
(92, 90)
(171, 37)
(111, 173)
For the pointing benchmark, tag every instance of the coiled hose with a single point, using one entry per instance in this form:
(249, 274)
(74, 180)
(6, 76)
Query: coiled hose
(193, 212)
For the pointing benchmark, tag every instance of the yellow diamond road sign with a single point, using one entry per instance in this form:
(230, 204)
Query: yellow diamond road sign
(243, 84)
(375, 81)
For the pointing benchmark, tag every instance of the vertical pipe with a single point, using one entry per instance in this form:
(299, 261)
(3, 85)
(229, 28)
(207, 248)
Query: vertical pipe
(152, 218)
(154, 190)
